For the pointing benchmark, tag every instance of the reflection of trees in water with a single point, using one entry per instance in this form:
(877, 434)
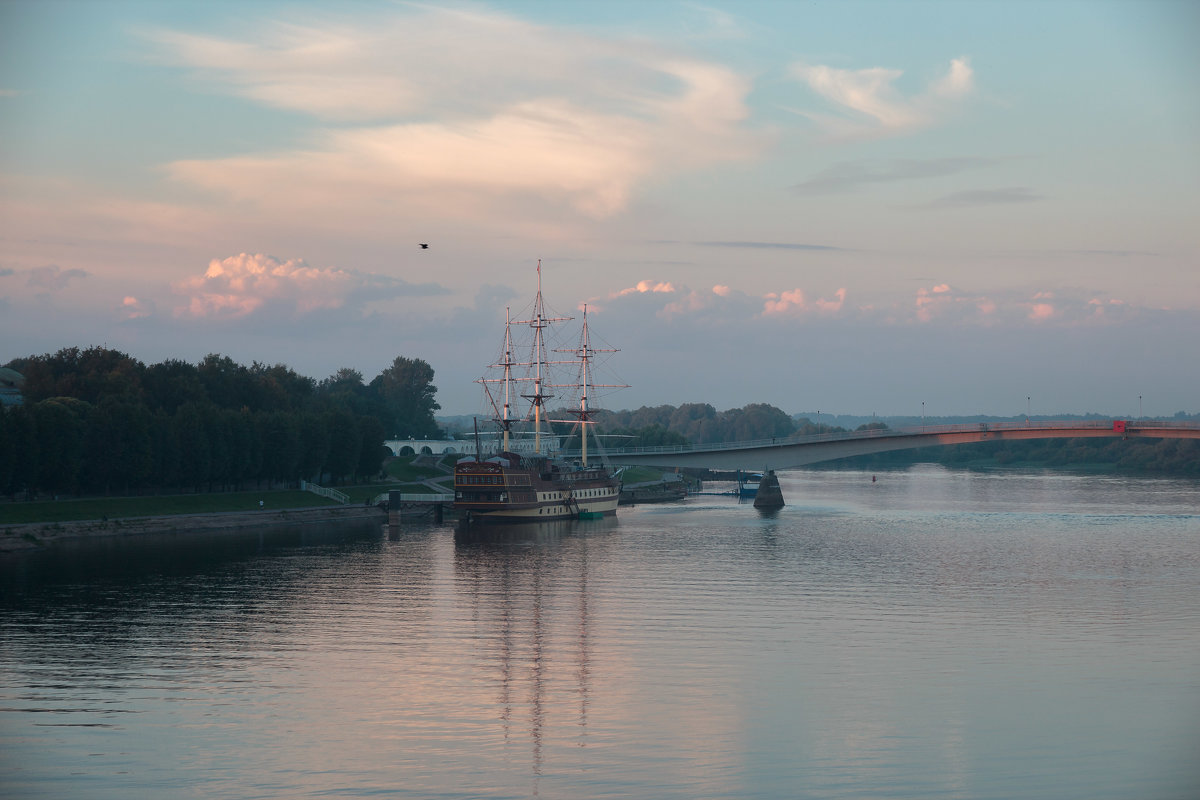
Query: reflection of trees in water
(116, 601)
(529, 593)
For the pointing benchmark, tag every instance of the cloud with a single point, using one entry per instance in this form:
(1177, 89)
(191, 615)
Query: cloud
(1040, 311)
(133, 308)
(5, 272)
(849, 175)
(473, 111)
(769, 245)
(870, 105)
(948, 305)
(793, 301)
(986, 197)
(641, 287)
(52, 278)
(244, 284)
(832, 306)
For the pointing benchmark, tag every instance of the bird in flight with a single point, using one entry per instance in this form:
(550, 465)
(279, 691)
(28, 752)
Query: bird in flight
(424, 246)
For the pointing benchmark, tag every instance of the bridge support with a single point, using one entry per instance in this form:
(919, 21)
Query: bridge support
(769, 494)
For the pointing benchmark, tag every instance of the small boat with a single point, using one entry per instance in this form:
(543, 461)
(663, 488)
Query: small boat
(511, 486)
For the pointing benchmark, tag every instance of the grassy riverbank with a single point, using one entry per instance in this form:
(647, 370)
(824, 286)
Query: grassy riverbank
(173, 505)
(406, 473)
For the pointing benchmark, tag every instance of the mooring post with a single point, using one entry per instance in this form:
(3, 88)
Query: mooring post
(437, 513)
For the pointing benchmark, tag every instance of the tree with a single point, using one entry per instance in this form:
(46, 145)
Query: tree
(228, 384)
(345, 442)
(345, 388)
(373, 450)
(170, 384)
(314, 438)
(118, 445)
(405, 393)
(191, 435)
(84, 374)
(62, 424)
(280, 388)
(23, 439)
(281, 445)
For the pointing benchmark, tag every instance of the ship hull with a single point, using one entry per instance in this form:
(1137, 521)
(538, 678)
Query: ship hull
(511, 489)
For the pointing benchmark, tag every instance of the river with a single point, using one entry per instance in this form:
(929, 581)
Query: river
(929, 634)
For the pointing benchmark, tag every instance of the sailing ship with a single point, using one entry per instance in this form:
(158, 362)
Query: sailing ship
(518, 483)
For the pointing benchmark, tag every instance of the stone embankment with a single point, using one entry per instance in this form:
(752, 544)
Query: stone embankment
(15, 538)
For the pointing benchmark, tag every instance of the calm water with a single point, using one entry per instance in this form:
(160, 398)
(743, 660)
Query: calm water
(933, 634)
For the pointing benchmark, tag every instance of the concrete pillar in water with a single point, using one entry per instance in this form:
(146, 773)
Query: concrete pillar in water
(394, 511)
(769, 494)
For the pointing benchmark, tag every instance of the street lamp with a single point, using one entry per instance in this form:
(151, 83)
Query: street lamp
(922, 413)
(1027, 407)
(1139, 406)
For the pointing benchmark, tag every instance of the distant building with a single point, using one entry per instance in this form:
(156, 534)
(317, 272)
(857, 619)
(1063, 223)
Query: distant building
(11, 385)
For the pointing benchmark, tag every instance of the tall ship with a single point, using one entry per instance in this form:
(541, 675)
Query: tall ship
(521, 477)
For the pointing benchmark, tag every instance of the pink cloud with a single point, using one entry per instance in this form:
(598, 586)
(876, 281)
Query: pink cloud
(831, 306)
(643, 287)
(241, 284)
(782, 302)
(1040, 311)
(794, 302)
(722, 291)
(133, 308)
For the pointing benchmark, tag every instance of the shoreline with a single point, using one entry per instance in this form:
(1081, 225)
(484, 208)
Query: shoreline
(33, 536)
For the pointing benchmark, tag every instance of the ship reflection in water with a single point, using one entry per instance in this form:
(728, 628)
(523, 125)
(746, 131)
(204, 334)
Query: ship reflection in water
(520, 589)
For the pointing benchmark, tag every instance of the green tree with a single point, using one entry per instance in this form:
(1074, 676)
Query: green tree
(23, 439)
(280, 388)
(345, 441)
(228, 384)
(345, 388)
(118, 446)
(281, 445)
(314, 439)
(191, 436)
(171, 383)
(405, 396)
(372, 451)
(62, 425)
(83, 374)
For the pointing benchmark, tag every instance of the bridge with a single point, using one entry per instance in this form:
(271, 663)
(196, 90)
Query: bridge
(800, 451)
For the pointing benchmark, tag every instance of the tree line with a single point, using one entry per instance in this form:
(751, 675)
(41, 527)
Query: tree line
(98, 421)
(701, 423)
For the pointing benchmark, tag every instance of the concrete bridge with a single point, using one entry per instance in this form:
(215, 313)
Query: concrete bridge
(800, 451)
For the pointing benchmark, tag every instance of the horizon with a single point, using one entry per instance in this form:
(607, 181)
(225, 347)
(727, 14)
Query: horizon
(891, 207)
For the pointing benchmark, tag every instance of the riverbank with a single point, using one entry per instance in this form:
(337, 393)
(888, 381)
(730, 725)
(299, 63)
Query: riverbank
(35, 535)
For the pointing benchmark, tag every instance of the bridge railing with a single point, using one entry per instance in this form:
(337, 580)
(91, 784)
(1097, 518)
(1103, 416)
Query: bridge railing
(875, 433)
(332, 494)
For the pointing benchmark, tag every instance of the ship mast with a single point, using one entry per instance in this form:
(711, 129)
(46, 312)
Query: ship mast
(584, 354)
(539, 321)
(503, 417)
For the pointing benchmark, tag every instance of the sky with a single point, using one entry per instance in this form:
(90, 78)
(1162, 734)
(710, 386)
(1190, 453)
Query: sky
(849, 207)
